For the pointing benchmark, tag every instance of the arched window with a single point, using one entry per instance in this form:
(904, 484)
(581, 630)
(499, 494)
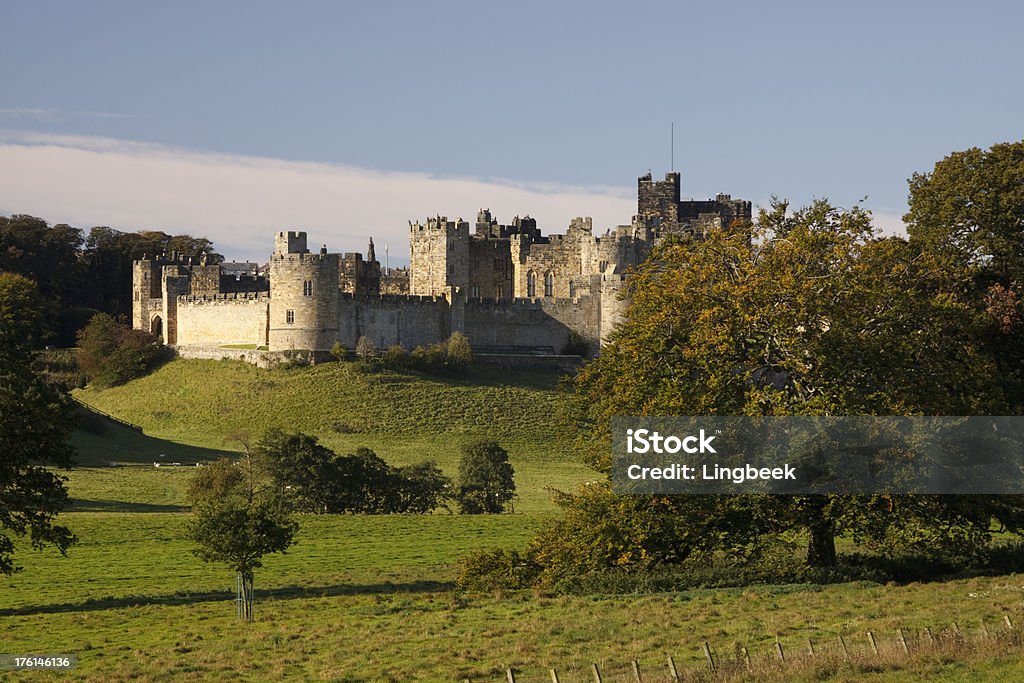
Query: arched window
(531, 284)
(572, 289)
(549, 284)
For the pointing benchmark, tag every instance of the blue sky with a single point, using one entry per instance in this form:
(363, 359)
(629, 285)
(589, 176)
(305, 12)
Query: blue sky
(229, 119)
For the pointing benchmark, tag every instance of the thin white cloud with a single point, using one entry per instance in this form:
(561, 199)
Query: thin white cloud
(240, 201)
(36, 113)
(54, 114)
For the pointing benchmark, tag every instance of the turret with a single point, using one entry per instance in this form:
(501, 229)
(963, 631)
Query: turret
(303, 295)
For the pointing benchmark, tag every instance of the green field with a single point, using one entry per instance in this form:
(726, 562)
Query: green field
(371, 598)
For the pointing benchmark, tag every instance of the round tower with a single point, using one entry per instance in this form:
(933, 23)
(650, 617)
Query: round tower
(303, 295)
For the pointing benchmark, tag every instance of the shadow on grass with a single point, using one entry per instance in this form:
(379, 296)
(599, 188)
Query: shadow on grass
(282, 593)
(83, 505)
(100, 442)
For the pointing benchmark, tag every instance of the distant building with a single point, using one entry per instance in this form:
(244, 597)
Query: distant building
(508, 288)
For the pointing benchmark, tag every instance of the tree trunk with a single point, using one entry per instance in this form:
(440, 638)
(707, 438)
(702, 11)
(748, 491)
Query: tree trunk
(247, 596)
(821, 547)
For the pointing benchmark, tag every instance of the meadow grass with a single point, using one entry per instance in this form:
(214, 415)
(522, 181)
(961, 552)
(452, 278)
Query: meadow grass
(370, 598)
(192, 410)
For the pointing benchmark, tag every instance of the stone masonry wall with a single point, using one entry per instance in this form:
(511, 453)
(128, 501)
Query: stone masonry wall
(409, 321)
(223, 319)
(490, 269)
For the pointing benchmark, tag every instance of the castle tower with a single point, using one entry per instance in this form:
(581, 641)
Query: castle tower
(659, 199)
(438, 256)
(303, 295)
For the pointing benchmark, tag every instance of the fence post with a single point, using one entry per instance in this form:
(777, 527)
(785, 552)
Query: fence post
(842, 643)
(597, 673)
(1009, 624)
(874, 645)
(984, 629)
(636, 672)
(746, 655)
(672, 669)
(810, 647)
(956, 630)
(779, 652)
(509, 675)
(554, 676)
(931, 637)
(707, 654)
(903, 641)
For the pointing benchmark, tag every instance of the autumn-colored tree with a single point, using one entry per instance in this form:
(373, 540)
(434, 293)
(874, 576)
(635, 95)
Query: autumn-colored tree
(803, 313)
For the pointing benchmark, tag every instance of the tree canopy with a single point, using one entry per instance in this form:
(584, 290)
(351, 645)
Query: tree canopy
(313, 478)
(35, 423)
(803, 313)
(970, 207)
(486, 483)
(80, 272)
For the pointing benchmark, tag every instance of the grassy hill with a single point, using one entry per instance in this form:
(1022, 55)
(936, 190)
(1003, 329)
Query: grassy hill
(370, 598)
(192, 410)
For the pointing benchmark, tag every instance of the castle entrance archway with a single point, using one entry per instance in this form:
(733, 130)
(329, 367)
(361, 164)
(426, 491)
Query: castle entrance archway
(156, 326)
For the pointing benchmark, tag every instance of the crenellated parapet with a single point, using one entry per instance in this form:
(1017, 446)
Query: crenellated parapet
(504, 286)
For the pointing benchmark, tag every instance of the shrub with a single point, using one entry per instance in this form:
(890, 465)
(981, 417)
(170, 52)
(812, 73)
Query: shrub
(395, 357)
(365, 349)
(487, 570)
(486, 481)
(112, 353)
(458, 352)
(339, 351)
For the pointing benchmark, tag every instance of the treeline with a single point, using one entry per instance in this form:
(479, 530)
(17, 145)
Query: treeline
(82, 273)
(303, 475)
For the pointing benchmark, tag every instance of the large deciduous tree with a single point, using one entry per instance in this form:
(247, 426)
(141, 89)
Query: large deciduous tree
(967, 215)
(971, 208)
(805, 313)
(34, 428)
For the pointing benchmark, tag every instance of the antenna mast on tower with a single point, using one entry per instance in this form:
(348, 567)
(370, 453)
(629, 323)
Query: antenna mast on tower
(672, 164)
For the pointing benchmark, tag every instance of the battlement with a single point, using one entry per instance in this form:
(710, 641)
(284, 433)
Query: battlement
(290, 242)
(439, 224)
(193, 299)
(393, 298)
(501, 285)
(305, 257)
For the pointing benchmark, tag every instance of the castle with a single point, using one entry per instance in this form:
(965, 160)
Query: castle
(508, 288)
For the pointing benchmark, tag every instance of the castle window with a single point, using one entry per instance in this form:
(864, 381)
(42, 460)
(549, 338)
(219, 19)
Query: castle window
(572, 289)
(500, 293)
(531, 284)
(289, 317)
(601, 266)
(476, 291)
(549, 284)
(307, 288)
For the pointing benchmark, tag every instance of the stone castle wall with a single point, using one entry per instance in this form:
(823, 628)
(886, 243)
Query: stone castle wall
(478, 284)
(223, 319)
(409, 321)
